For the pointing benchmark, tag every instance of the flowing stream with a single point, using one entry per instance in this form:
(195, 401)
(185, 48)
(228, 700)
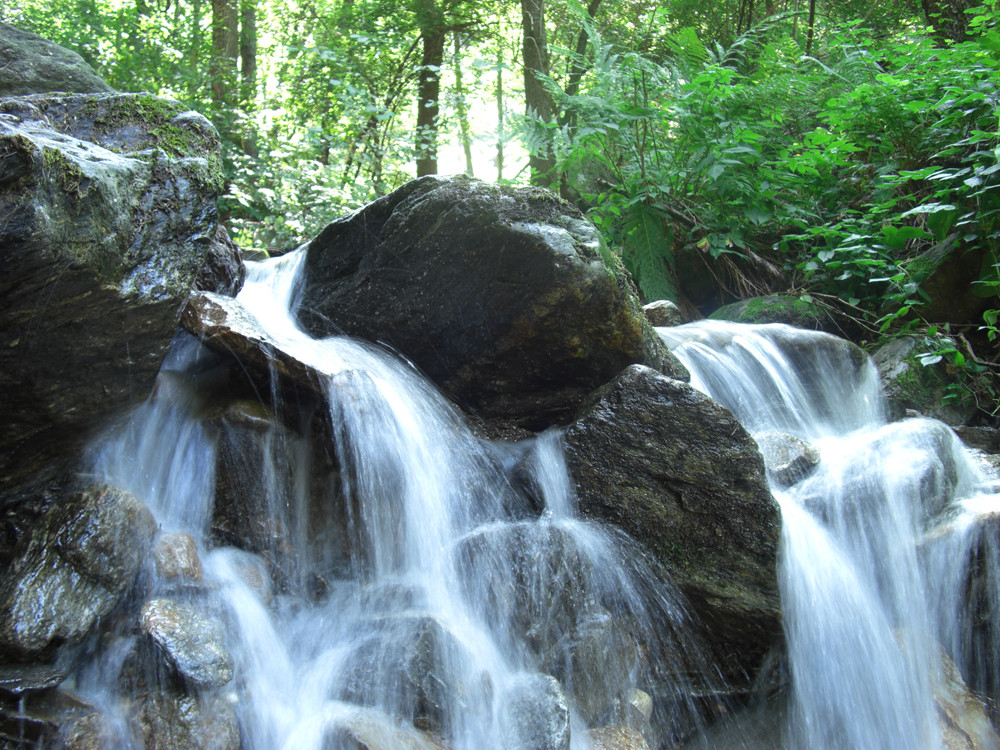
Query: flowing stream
(440, 581)
(416, 585)
(881, 528)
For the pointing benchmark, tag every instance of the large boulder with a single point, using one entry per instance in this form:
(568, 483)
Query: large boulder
(678, 473)
(74, 568)
(108, 206)
(506, 298)
(31, 64)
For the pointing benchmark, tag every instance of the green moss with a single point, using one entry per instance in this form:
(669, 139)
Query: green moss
(69, 175)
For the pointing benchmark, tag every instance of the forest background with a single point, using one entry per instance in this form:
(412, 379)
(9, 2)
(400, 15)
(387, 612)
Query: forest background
(836, 150)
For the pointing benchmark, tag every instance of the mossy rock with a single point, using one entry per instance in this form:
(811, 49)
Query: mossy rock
(32, 64)
(798, 311)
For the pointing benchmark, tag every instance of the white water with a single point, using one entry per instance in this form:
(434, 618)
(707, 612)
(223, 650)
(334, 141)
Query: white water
(868, 593)
(443, 596)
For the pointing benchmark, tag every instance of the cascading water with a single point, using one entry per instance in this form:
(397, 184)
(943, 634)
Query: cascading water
(871, 582)
(447, 585)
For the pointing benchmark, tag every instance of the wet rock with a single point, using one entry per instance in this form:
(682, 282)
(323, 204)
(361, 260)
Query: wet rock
(663, 312)
(787, 457)
(39, 720)
(416, 668)
(167, 721)
(368, 729)
(506, 298)
(617, 738)
(31, 65)
(72, 571)
(226, 326)
(175, 557)
(109, 209)
(91, 732)
(251, 569)
(223, 271)
(191, 642)
(534, 714)
(961, 715)
(678, 473)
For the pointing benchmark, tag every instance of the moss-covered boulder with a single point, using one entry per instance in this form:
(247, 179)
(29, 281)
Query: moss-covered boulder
(677, 472)
(31, 64)
(790, 309)
(505, 297)
(108, 211)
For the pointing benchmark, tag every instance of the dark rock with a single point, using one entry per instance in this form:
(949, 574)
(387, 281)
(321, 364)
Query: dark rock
(106, 224)
(678, 473)
(787, 457)
(986, 439)
(535, 715)
(167, 721)
(663, 312)
(223, 271)
(948, 273)
(191, 642)
(506, 298)
(39, 720)
(33, 65)
(72, 571)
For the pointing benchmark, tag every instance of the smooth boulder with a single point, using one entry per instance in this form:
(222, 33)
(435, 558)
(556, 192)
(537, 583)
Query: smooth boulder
(678, 473)
(505, 297)
(31, 64)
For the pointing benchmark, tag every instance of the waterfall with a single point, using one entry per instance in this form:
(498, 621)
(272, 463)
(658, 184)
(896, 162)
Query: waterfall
(879, 535)
(429, 586)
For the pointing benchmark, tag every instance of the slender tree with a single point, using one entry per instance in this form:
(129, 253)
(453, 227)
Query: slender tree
(537, 99)
(225, 43)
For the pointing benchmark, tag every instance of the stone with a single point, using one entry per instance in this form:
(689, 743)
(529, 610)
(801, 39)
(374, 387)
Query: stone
(175, 557)
(191, 642)
(617, 738)
(42, 720)
(788, 458)
(792, 310)
(72, 571)
(678, 473)
(534, 714)
(369, 729)
(223, 271)
(663, 312)
(947, 273)
(506, 298)
(109, 210)
(32, 65)
(167, 721)
(911, 385)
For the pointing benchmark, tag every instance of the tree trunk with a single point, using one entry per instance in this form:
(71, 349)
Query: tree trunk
(461, 106)
(948, 17)
(538, 102)
(194, 57)
(499, 101)
(225, 41)
(429, 87)
(248, 72)
(811, 26)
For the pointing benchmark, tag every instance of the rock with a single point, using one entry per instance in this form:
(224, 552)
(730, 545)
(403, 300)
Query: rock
(792, 310)
(225, 325)
(93, 731)
(109, 209)
(506, 298)
(41, 720)
(191, 642)
(961, 715)
(787, 457)
(416, 668)
(909, 384)
(617, 738)
(72, 571)
(167, 721)
(32, 65)
(947, 273)
(223, 271)
(368, 729)
(678, 473)
(175, 557)
(663, 312)
(534, 714)
(986, 439)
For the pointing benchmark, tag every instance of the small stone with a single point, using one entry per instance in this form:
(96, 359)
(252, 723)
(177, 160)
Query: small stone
(617, 738)
(175, 556)
(663, 312)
